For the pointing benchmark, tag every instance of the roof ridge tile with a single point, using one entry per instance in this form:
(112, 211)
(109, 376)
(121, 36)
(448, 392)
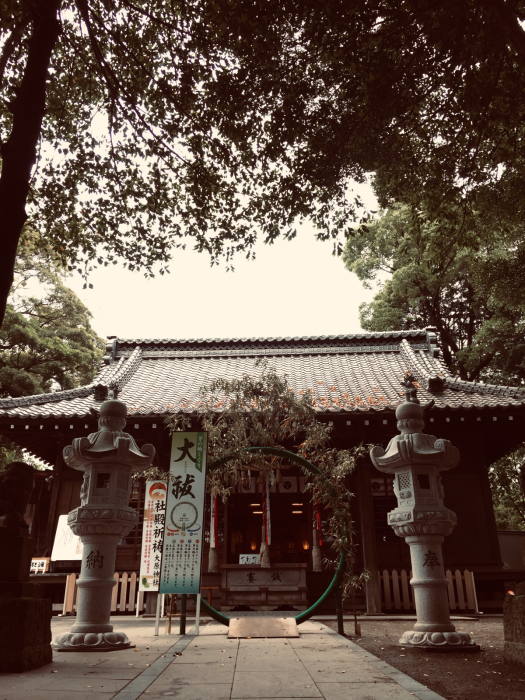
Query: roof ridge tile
(274, 339)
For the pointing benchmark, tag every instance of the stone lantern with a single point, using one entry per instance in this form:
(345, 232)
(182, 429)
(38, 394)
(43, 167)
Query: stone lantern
(416, 460)
(107, 458)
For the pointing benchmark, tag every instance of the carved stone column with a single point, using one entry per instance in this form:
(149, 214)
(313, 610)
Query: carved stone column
(107, 458)
(421, 518)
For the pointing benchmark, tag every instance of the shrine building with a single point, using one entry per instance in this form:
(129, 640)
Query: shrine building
(355, 381)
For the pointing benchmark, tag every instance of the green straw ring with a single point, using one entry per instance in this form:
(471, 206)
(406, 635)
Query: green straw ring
(307, 614)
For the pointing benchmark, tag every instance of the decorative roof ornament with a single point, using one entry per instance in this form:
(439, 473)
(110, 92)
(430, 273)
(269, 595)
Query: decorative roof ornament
(409, 382)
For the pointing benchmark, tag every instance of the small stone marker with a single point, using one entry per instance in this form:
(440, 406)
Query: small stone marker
(252, 627)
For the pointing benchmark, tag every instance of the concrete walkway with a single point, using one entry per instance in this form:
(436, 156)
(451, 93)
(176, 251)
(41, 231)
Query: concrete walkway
(320, 664)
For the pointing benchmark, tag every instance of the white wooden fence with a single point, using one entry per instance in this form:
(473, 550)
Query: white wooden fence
(125, 596)
(397, 594)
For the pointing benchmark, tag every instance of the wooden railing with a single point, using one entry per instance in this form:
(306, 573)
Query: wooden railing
(125, 596)
(397, 594)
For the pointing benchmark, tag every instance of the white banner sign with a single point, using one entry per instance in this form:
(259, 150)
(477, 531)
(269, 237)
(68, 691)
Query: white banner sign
(67, 546)
(183, 535)
(152, 535)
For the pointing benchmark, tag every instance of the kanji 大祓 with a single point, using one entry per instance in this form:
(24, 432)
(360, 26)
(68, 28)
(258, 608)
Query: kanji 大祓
(184, 523)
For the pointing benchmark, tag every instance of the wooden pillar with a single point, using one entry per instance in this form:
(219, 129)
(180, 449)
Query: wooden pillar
(368, 535)
(140, 504)
(226, 542)
(55, 489)
(488, 504)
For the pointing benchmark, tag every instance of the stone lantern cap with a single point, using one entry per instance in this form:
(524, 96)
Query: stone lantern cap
(114, 408)
(416, 459)
(107, 458)
(109, 443)
(413, 446)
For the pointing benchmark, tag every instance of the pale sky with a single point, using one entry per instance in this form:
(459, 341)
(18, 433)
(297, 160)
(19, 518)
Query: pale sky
(293, 288)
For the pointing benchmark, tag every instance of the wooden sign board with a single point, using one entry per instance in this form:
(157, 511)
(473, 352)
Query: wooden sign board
(40, 565)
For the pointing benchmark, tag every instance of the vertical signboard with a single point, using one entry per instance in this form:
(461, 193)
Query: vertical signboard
(152, 535)
(183, 533)
(67, 546)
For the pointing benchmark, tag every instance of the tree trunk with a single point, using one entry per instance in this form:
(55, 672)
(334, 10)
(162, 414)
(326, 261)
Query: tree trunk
(19, 151)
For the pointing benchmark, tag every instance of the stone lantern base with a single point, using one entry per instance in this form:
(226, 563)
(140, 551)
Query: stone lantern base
(92, 641)
(439, 641)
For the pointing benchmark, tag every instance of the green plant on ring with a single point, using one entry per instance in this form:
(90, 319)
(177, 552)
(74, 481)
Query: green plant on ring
(254, 423)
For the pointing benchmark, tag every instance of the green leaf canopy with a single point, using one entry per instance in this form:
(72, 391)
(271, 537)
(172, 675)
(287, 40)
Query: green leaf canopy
(46, 341)
(219, 120)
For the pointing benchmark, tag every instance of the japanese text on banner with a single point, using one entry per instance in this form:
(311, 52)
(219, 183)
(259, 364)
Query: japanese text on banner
(152, 535)
(183, 534)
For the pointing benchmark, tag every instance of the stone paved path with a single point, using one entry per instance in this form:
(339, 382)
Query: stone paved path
(320, 664)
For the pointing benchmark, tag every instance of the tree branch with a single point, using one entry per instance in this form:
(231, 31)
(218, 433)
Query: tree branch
(481, 366)
(11, 43)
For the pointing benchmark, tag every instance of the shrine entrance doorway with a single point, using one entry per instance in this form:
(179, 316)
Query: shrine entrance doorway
(306, 614)
(290, 522)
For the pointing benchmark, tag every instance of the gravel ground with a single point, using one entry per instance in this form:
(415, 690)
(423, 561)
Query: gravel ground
(455, 676)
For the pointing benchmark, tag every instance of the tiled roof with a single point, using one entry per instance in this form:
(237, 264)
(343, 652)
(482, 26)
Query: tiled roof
(345, 374)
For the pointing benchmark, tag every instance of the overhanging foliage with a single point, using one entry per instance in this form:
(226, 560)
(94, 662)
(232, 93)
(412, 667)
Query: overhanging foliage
(216, 121)
(509, 500)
